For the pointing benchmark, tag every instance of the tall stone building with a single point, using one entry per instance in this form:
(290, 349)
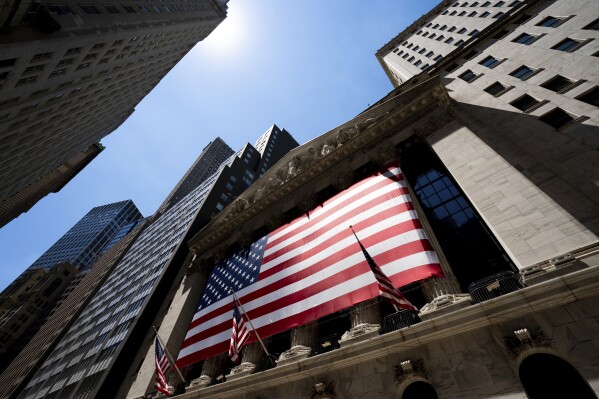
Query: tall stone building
(71, 73)
(496, 141)
(98, 354)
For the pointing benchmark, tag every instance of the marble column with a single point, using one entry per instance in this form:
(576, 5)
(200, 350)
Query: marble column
(302, 340)
(365, 319)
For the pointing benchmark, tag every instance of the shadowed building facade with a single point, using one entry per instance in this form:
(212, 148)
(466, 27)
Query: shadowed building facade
(71, 73)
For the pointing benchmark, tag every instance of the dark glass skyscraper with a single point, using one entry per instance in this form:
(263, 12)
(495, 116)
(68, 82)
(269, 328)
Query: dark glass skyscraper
(86, 240)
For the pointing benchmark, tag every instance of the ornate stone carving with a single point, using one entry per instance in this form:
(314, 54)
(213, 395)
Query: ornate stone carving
(324, 390)
(525, 339)
(201, 266)
(444, 304)
(342, 181)
(201, 381)
(360, 332)
(409, 369)
(243, 370)
(294, 354)
(384, 156)
(433, 124)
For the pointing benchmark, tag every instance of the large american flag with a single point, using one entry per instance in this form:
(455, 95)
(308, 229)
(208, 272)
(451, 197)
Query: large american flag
(239, 333)
(312, 266)
(162, 367)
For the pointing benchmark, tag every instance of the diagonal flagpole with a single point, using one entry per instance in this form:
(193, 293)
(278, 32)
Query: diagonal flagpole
(168, 354)
(250, 321)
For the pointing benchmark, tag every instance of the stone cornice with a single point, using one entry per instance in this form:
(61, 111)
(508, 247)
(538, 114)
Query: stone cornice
(420, 110)
(553, 293)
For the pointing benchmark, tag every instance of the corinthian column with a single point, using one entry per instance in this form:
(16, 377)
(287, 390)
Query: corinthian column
(303, 339)
(210, 370)
(365, 318)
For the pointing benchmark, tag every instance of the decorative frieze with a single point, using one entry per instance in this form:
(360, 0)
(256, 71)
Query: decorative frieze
(409, 369)
(524, 339)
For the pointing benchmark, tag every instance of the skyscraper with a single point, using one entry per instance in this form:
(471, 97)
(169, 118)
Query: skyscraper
(85, 241)
(71, 73)
(94, 357)
(205, 165)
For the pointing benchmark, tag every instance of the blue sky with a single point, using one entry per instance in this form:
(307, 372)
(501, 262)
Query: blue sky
(305, 65)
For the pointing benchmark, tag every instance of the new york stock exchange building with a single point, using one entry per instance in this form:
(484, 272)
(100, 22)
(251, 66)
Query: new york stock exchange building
(473, 187)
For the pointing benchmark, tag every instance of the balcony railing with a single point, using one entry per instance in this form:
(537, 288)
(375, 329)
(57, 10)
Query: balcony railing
(398, 320)
(327, 344)
(493, 286)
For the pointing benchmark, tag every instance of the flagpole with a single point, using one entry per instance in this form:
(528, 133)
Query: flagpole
(250, 321)
(169, 355)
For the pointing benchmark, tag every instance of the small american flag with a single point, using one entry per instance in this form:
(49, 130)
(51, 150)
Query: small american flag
(239, 333)
(386, 287)
(162, 367)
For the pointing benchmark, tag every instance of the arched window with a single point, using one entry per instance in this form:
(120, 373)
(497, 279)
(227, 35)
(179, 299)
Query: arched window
(547, 376)
(419, 390)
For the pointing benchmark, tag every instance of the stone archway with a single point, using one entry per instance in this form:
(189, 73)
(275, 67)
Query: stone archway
(545, 375)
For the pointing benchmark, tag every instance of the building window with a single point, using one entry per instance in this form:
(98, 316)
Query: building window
(454, 221)
(472, 14)
(523, 73)
(89, 9)
(34, 69)
(593, 25)
(499, 4)
(41, 56)
(452, 29)
(490, 62)
(432, 36)
(497, 89)
(468, 76)
(486, 4)
(452, 67)
(417, 63)
(449, 40)
(412, 58)
(473, 33)
(130, 9)
(440, 38)
(557, 83)
(143, 9)
(111, 8)
(525, 38)
(459, 42)
(443, 27)
(422, 51)
(590, 96)
(471, 55)
(551, 22)
(498, 15)
(462, 31)
(557, 118)
(438, 58)
(25, 81)
(525, 103)
(462, 14)
(59, 9)
(430, 54)
(568, 45)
